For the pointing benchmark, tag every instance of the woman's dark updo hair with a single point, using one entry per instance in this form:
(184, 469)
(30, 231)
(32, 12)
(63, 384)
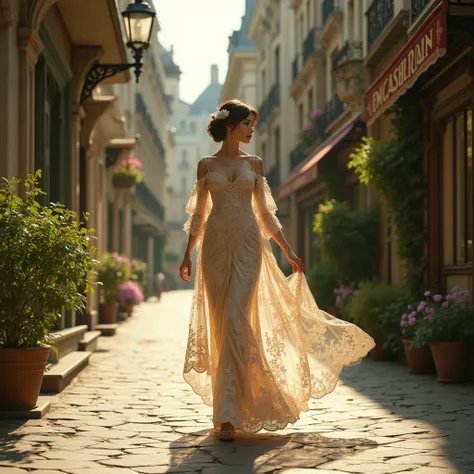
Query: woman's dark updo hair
(238, 111)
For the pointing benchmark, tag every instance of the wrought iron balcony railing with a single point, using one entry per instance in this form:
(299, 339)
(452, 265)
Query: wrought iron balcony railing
(379, 15)
(297, 156)
(149, 200)
(351, 51)
(417, 6)
(273, 99)
(309, 45)
(295, 67)
(333, 109)
(142, 109)
(273, 177)
(263, 112)
(330, 7)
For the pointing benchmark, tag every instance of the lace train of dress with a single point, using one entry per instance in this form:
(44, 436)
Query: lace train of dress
(258, 347)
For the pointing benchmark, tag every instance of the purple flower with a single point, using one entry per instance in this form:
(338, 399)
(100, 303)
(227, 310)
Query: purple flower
(454, 289)
(421, 306)
(412, 314)
(437, 298)
(315, 114)
(427, 293)
(450, 297)
(404, 316)
(411, 321)
(428, 310)
(446, 304)
(465, 293)
(457, 295)
(403, 324)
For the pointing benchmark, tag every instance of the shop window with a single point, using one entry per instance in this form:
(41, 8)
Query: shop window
(458, 190)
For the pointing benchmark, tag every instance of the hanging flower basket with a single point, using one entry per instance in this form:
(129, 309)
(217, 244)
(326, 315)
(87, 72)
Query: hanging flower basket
(120, 180)
(128, 173)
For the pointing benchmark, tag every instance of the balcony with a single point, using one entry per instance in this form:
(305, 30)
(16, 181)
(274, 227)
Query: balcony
(417, 7)
(297, 156)
(333, 109)
(379, 15)
(142, 110)
(273, 177)
(332, 19)
(348, 71)
(305, 64)
(149, 200)
(387, 24)
(263, 112)
(271, 103)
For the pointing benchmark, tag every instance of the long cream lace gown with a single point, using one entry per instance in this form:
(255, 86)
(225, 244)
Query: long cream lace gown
(258, 347)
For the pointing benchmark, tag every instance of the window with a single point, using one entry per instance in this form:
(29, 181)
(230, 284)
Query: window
(458, 190)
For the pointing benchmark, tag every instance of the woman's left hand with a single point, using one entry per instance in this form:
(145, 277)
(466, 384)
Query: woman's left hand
(295, 261)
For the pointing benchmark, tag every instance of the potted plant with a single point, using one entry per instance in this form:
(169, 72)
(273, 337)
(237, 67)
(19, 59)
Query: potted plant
(130, 295)
(112, 271)
(366, 310)
(449, 329)
(45, 257)
(343, 294)
(419, 359)
(128, 173)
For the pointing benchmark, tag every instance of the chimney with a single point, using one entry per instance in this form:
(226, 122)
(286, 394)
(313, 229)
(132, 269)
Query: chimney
(214, 74)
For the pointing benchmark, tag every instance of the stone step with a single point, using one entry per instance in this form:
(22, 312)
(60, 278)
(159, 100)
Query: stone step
(41, 409)
(58, 376)
(90, 341)
(107, 329)
(66, 341)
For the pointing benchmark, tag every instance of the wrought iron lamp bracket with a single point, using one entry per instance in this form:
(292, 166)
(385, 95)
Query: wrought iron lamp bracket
(99, 72)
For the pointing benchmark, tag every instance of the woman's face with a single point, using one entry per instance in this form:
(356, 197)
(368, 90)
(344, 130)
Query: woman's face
(244, 130)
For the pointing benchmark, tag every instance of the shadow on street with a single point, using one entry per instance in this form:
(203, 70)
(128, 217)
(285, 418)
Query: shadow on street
(259, 453)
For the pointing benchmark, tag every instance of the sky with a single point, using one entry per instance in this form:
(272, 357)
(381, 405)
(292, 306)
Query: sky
(199, 32)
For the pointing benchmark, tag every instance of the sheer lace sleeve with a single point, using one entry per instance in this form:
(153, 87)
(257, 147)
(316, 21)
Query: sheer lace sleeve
(265, 207)
(198, 207)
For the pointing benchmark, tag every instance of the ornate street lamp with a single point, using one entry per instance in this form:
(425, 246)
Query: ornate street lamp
(138, 19)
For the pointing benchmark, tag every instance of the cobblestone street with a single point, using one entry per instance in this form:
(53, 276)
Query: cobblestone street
(131, 412)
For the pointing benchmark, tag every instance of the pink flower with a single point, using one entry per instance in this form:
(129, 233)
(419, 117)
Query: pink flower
(411, 321)
(412, 315)
(428, 310)
(315, 114)
(446, 304)
(437, 298)
(421, 306)
(427, 293)
(403, 324)
(457, 295)
(450, 297)
(410, 307)
(404, 316)
(454, 289)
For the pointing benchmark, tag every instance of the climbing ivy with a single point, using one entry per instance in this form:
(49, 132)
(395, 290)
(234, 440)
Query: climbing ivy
(395, 167)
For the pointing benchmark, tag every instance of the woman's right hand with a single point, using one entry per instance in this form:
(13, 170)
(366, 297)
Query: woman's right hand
(185, 268)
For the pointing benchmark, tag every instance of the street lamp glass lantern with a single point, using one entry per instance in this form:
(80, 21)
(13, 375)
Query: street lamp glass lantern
(139, 19)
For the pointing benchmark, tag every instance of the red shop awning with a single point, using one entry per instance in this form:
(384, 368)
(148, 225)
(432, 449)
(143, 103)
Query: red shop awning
(422, 50)
(308, 172)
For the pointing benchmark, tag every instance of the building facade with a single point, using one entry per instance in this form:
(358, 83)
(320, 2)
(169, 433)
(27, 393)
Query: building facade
(310, 87)
(192, 142)
(241, 78)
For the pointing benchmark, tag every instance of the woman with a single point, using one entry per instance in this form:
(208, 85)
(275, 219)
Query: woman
(258, 346)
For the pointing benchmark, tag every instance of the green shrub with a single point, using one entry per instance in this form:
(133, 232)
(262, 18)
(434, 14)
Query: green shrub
(45, 262)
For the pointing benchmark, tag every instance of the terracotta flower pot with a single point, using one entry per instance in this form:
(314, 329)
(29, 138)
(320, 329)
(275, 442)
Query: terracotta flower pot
(378, 353)
(451, 361)
(128, 308)
(419, 359)
(108, 313)
(21, 375)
